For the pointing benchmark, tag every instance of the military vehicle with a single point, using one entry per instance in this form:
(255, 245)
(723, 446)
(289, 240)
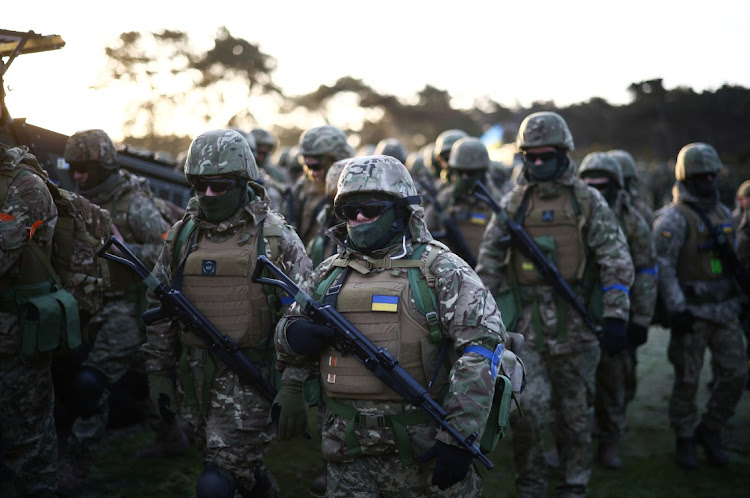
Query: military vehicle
(48, 146)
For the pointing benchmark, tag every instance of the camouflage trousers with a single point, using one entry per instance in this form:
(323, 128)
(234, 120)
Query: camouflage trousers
(615, 388)
(383, 476)
(227, 420)
(686, 352)
(563, 385)
(27, 424)
(116, 349)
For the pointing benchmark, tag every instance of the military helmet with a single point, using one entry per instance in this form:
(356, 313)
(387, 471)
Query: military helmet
(221, 152)
(92, 145)
(696, 159)
(249, 137)
(264, 137)
(544, 129)
(445, 141)
(469, 153)
(332, 177)
(377, 175)
(414, 162)
(325, 140)
(744, 190)
(627, 163)
(391, 147)
(601, 162)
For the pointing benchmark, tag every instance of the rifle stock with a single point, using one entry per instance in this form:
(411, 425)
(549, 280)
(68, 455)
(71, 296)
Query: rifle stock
(176, 306)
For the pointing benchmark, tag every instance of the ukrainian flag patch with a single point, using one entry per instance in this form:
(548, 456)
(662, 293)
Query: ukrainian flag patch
(478, 218)
(384, 303)
(666, 233)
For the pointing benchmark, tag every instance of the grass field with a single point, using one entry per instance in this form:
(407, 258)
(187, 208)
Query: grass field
(647, 451)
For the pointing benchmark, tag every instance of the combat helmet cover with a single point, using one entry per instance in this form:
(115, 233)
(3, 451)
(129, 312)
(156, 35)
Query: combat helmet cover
(377, 175)
(325, 140)
(221, 152)
(391, 147)
(264, 137)
(332, 177)
(627, 162)
(446, 139)
(92, 145)
(696, 159)
(544, 129)
(602, 162)
(469, 153)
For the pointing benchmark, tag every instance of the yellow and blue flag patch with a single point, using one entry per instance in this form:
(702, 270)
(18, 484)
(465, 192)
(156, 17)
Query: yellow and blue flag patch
(384, 303)
(478, 218)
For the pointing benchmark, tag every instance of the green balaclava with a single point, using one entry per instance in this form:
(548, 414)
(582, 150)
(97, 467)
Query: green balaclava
(216, 209)
(379, 234)
(462, 186)
(550, 169)
(608, 190)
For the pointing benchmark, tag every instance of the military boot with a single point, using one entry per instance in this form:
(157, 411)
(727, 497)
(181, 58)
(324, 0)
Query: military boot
(686, 456)
(711, 442)
(607, 455)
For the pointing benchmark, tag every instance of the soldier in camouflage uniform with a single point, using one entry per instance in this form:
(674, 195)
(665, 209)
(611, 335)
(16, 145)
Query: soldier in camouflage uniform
(703, 302)
(27, 424)
(322, 246)
(615, 375)
(384, 233)
(442, 152)
(576, 229)
(272, 187)
(266, 143)
(211, 254)
(138, 223)
(632, 184)
(319, 148)
(469, 161)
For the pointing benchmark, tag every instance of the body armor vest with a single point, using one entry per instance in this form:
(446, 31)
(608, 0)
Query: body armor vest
(121, 277)
(378, 304)
(216, 280)
(472, 221)
(693, 263)
(553, 224)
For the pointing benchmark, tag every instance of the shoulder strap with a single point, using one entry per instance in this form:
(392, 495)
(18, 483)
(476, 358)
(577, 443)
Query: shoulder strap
(423, 295)
(183, 235)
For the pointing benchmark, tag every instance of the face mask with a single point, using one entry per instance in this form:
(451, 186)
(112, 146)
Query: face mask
(464, 183)
(703, 186)
(216, 209)
(367, 237)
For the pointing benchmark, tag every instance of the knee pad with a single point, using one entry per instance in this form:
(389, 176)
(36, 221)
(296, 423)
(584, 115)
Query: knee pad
(215, 482)
(89, 385)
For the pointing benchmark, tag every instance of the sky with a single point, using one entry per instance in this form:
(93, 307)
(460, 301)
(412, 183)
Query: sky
(513, 52)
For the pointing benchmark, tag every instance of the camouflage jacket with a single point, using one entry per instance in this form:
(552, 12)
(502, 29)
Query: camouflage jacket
(308, 199)
(468, 316)
(27, 201)
(163, 347)
(606, 247)
(670, 233)
(135, 215)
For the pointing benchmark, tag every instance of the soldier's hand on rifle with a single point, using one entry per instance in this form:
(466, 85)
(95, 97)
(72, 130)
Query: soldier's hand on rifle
(637, 335)
(614, 336)
(308, 338)
(290, 409)
(682, 323)
(451, 466)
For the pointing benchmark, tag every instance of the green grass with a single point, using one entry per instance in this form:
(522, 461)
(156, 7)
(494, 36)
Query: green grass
(646, 449)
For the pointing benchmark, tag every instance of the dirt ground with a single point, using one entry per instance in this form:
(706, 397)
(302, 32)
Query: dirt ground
(647, 451)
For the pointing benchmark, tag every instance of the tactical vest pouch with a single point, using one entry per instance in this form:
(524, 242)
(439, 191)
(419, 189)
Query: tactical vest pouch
(497, 422)
(48, 323)
(509, 307)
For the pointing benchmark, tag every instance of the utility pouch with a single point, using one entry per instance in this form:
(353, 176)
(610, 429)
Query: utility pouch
(497, 422)
(49, 323)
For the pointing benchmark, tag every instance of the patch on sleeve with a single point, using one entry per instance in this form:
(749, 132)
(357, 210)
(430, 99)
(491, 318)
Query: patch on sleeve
(666, 233)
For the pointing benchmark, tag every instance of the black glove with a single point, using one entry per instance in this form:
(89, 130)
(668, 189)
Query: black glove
(682, 323)
(637, 335)
(451, 466)
(308, 338)
(614, 337)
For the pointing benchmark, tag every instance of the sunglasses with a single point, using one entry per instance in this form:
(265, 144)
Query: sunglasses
(369, 210)
(218, 185)
(321, 162)
(542, 156)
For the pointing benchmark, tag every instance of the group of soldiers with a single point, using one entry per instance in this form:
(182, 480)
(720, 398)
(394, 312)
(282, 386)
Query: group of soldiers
(406, 251)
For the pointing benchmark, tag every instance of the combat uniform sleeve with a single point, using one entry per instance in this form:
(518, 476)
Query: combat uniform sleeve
(643, 253)
(610, 251)
(149, 227)
(469, 317)
(491, 262)
(669, 237)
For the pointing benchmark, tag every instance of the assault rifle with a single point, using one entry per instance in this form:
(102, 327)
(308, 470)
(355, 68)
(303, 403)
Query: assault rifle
(452, 232)
(378, 360)
(719, 242)
(175, 306)
(521, 239)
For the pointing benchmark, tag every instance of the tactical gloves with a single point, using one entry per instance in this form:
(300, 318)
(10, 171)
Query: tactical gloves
(308, 338)
(682, 323)
(451, 466)
(290, 409)
(637, 335)
(161, 388)
(614, 336)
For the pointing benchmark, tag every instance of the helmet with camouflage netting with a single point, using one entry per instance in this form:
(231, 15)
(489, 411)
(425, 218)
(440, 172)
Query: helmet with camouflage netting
(221, 152)
(469, 153)
(325, 140)
(92, 146)
(391, 147)
(542, 129)
(378, 175)
(627, 162)
(445, 141)
(602, 163)
(696, 159)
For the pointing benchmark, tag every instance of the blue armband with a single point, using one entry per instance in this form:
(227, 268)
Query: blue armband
(651, 271)
(493, 357)
(619, 287)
